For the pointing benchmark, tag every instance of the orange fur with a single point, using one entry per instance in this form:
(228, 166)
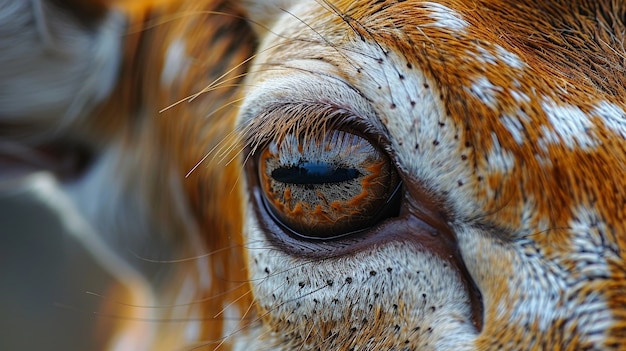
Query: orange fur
(188, 131)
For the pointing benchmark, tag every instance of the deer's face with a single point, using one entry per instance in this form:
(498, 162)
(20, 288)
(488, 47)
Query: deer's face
(337, 175)
(437, 176)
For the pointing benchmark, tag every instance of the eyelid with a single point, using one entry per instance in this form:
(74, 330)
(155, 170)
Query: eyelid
(297, 98)
(309, 119)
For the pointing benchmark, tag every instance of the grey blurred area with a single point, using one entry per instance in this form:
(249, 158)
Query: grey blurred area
(47, 271)
(53, 70)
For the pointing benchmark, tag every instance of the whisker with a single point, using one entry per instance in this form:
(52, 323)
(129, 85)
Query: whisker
(183, 260)
(239, 285)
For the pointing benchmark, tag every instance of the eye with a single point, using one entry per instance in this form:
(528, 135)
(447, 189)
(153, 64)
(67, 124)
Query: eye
(328, 187)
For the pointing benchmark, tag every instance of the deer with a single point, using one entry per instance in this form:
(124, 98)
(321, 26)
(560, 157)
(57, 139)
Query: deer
(332, 175)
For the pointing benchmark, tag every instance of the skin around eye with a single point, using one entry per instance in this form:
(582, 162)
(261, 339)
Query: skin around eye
(324, 188)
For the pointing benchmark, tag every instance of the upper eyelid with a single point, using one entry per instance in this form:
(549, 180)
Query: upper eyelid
(301, 98)
(307, 118)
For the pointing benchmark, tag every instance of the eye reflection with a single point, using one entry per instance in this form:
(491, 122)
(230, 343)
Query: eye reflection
(326, 187)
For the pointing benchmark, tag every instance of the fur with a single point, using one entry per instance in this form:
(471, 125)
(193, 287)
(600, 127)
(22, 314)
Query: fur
(505, 122)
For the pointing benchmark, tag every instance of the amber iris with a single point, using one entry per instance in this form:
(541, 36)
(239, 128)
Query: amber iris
(326, 187)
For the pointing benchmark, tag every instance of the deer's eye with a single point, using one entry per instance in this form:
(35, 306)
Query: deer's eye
(328, 187)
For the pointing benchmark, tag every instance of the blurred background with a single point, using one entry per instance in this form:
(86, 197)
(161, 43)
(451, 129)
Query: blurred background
(48, 270)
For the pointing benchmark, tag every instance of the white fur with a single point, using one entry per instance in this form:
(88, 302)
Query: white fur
(519, 96)
(415, 124)
(485, 91)
(569, 125)
(495, 54)
(613, 117)
(500, 160)
(509, 58)
(176, 62)
(514, 125)
(445, 17)
(296, 285)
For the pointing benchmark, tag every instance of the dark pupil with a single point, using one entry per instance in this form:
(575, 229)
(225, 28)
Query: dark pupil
(314, 173)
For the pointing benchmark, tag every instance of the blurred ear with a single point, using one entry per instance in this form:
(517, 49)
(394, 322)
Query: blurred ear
(59, 59)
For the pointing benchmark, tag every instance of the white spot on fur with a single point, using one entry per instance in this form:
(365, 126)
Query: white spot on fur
(590, 253)
(176, 62)
(588, 230)
(495, 54)
(499, 159)
(570, 126)
(509, 58)
(513, 123)
(613, 117)
(519, 96)
(544, 160)
(485, 56)
(445, 17)
(485, 91)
